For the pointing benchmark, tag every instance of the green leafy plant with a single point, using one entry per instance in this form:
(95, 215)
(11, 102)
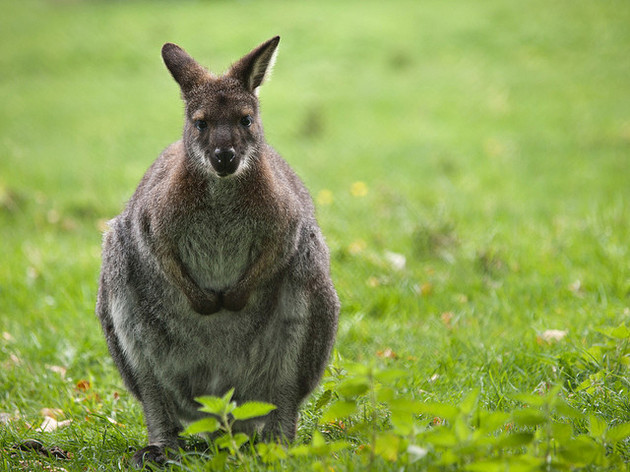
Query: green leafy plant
(223, 414)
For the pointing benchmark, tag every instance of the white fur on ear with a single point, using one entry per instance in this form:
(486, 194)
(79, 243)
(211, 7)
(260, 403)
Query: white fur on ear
(254, 68)
(262, 71)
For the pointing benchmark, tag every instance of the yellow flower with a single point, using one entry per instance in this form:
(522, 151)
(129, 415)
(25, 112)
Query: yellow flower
(359, 189)
(324, 197)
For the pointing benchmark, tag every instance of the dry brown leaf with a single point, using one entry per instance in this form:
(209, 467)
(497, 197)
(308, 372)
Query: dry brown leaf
(50, 424)
(58, 370)
(387, 353)
(54, 413)
(446, 317)
(553, 335)
(83, 385)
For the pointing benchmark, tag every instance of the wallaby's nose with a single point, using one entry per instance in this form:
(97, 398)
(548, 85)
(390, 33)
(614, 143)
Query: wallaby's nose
(225, 161)
(224, 156)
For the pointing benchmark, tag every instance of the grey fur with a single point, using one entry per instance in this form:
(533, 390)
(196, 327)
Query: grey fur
(211, 280)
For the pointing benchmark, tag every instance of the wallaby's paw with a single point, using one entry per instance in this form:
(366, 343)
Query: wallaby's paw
(235, 300)
(147, 456)
(207, 304)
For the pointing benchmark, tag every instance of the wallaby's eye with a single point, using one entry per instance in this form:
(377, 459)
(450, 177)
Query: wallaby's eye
(247, 121)
(201, 124)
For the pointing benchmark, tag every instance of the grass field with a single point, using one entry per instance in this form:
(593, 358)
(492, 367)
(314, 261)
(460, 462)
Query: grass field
(470, 162)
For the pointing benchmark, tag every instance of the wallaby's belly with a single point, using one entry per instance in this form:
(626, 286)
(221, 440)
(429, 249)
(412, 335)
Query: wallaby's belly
(189, 355)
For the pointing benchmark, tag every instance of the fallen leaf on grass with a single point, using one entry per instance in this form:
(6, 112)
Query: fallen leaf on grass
(551, 335)
(83, 385)
(446, 317)
(387, 353)
(34, 445)
(51, 424)
(5, 418)
(57, 370)
(424, 289)
(397, 261)
(54, 413)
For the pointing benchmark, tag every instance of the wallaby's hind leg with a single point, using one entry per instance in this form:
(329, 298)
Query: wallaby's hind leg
(308, 302)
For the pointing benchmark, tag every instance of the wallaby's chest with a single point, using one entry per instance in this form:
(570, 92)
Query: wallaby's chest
(217, 246)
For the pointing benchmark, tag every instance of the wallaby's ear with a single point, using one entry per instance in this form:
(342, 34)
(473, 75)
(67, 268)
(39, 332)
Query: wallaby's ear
(255, 67)
(184, 69)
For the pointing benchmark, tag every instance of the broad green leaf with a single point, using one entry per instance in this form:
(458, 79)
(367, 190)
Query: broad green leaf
(240, 439)
(486, 466)
(218, 461)
(620, 332)
(461, 428)
(510, 463)
(596, 426)
(563, 408)
(561, 432)
(317, 440)
(224, 442)
(448, 457)
(353, 387)
(530, 399)
(406, 405)
(214, 405)
(617, 433)
(389, 376)
(318, 466)
(323, 400)
(204, 425)
(442, 410)
(339, 410)
(528, 417)
(441, 437)
(356, 370)
(300, 451)
(252, 410)
(402, 422)
(581, 451)
(318, 444)
(491, 421)
(515, 439)
(469, 403)
(386, 446)
(228, 395)
(271, 452)
(338, 445)
(385, 394)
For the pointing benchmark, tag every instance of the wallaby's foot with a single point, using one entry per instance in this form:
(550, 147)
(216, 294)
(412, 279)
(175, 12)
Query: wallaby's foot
(235, 300)
(206, 303)
(150, 455)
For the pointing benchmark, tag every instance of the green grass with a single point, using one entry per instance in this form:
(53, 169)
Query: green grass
(493, 139)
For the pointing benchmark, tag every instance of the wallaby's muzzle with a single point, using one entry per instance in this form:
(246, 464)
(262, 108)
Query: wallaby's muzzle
(224, 161)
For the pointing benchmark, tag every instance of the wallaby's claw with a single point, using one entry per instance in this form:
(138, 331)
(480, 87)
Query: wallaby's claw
(150, 455)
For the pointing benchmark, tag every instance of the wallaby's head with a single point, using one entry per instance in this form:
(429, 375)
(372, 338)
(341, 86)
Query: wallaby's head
(223, 130)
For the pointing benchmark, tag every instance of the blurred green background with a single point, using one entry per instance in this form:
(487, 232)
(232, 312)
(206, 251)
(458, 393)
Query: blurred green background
(470, 162)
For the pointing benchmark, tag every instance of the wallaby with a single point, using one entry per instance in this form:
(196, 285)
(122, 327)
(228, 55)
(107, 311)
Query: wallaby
(216, 274)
